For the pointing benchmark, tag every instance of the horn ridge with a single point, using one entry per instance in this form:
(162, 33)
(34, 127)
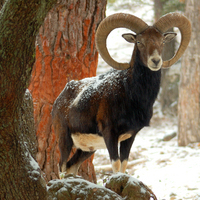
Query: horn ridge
(119, 20)
(178, 20)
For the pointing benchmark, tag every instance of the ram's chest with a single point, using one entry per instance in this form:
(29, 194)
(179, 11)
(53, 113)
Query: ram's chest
(93, 142)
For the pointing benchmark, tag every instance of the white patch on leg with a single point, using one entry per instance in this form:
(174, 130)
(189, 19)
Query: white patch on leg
(63, 167)
(73, 169)
(116, 164)
(124, 137)
(123, 166)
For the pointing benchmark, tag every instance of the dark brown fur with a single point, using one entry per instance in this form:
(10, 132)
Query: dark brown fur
(110, 104)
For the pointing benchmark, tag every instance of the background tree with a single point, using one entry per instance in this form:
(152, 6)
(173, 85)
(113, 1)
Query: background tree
(169, 83)
(189, 111)
(65, 50)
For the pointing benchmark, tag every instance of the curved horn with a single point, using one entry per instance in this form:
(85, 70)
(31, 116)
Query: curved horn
(110, 23)
(183, 24)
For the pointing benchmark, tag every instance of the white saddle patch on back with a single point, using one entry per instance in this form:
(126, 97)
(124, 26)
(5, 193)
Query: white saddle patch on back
(92, 142)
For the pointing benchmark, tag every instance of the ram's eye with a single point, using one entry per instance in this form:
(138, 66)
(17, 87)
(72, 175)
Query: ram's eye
(140, 44)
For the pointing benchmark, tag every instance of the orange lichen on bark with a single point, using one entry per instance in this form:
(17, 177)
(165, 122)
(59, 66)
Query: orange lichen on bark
(64, 51)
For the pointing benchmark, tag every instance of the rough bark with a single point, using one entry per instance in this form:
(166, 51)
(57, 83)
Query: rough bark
(65, 50)
(19, 24)
(28, 136)
(158, 9)
(1, 3)
(188, 107)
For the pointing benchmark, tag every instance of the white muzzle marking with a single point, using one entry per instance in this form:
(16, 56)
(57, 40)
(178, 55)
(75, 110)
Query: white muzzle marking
(154, 61)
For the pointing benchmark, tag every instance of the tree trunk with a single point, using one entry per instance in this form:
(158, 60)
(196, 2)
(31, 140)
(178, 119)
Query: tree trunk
(188, 118)
(19, 24)
(169, 82)
(65, 50)
(168, 93)
(158, 9)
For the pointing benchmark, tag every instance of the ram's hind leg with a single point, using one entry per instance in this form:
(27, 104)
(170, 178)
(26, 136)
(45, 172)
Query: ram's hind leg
(75, 162)
(125, 147)
(65, 146)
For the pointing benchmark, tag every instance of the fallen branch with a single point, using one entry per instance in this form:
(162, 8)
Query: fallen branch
(130, 164)
(169, 136)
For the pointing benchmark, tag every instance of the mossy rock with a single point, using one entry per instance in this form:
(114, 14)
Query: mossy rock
(129, 188)
(75, 187)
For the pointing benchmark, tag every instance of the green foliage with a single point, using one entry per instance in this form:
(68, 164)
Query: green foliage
(128, 4)
(168, 5)
(172, 6)
(132, 2)
(112, 1)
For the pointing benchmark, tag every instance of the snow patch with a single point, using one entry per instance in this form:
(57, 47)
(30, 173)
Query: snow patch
(32, 162)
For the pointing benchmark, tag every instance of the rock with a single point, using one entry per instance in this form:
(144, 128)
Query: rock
(74, 187)
(169, 136)
(120, 186)
(129, 188)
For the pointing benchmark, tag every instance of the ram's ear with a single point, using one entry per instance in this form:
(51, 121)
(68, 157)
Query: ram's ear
(169, 36)
(129, 37)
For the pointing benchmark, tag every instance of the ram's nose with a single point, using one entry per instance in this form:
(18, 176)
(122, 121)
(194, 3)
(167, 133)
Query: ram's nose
(156, 61)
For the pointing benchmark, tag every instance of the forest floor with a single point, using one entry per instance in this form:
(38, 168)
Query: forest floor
(172, 172)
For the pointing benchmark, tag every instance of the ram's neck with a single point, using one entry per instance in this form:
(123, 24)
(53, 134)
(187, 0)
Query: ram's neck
(145, 81)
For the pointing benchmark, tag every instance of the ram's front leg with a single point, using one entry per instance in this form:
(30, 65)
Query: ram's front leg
(112, 146)
(125, 147)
